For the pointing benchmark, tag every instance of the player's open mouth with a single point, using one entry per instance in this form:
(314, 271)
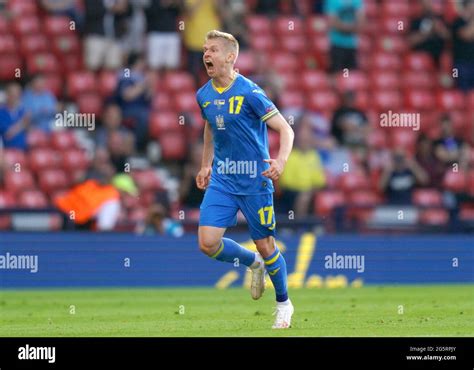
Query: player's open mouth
(208, 64)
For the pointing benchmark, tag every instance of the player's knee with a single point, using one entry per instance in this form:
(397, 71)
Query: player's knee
(266, 246)
(208, 244)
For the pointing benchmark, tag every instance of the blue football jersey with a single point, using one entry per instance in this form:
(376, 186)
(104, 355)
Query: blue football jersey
(237, 117)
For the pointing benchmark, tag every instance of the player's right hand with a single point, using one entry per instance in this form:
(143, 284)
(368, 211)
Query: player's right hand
(203, 177)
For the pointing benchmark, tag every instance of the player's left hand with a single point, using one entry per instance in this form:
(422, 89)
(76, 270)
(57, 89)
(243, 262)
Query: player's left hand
(275, 170)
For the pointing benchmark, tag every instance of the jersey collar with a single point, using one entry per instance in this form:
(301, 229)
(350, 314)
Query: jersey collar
(222, 90)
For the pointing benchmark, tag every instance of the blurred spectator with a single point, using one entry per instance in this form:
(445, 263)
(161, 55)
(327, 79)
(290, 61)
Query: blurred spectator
(95, 205)
(67, 8)
(234, 13)
(157, 221)
(267, 7)
(303, 175)
(133, 95)
(428, 32)
(120, 147)
(40, 103)
(346, 18)
(201, 16)
(100, 169)
(134, 39)
(105, 22)
(449, 149)
(162, 22)
(267, 78)
(112, 122)
(400, 177)
(349, 124)
(428, 161)
(189, 193)
(14, 119)
(463, 46)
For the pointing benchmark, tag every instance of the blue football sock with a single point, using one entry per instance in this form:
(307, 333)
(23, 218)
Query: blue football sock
(230, 251)
(276, 268)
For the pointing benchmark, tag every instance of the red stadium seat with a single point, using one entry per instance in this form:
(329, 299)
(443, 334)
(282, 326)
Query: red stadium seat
(371, 8)
(107, 83)
(292, 99)
(34, 44)
(455, 181)
(81, 82)
(146, 180)
(451, 100)
(418, 80)
(470, 101)
(26, 25)
(354, 80)
(292, 43)
(396, 9)
(284, 62)
(246, 62)
(394, 24)
(162, 102)
(7, 199)
(391, 44)
(14, 159)
(71, 63)
(385, 80)
(465, 214)
(384, 62)
(66, 44)
(355, 180)
(90, 103)
(52, 180)
(326, 200)
(385, 100)
(10, 65)
(37, 139)
(288, 26)
(320, 43)
(420, 99)
(363, 198)
(42, 63)
(63, 140)
(75, 160)
(179, 81)
(317, 25)
(4, 25)
(258, 24)
(377, 139)
(32, 199)
(16, 182)
(262, 42)
(7, 44)
(163, 122)
(57, 25)
(291, 80)
(173, 146)
(419, 61)
(20, 8)
(43, 158)
(321, 101)
(434, 217)
(54, 84)
(427, 198)
(404, 138)
(185, 102)
(314, 80)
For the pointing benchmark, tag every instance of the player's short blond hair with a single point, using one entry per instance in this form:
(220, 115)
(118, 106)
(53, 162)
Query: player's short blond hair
(230, 39)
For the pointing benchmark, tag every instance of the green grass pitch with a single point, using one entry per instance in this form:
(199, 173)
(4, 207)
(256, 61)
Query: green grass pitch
(368, 311)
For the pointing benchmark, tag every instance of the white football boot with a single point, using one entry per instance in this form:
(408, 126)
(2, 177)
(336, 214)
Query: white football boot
(283, 313)
(257, 286)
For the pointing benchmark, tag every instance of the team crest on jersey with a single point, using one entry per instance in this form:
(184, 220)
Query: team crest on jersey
(219, 103)
(220, 122)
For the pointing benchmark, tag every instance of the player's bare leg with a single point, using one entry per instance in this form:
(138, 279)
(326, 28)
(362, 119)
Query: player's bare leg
(276, 268)
(212, 243)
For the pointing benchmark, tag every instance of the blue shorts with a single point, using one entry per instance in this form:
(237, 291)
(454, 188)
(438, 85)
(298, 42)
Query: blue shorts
(220, 209)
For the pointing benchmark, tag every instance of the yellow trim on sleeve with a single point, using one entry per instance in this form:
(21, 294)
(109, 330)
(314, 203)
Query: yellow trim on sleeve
(269, 114)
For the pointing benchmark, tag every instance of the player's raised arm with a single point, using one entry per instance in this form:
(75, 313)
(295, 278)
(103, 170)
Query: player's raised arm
(204, 174)
(279, 124)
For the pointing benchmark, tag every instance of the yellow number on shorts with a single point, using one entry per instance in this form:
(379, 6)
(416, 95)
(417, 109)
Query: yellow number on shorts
(261, 213)
(240, 101)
